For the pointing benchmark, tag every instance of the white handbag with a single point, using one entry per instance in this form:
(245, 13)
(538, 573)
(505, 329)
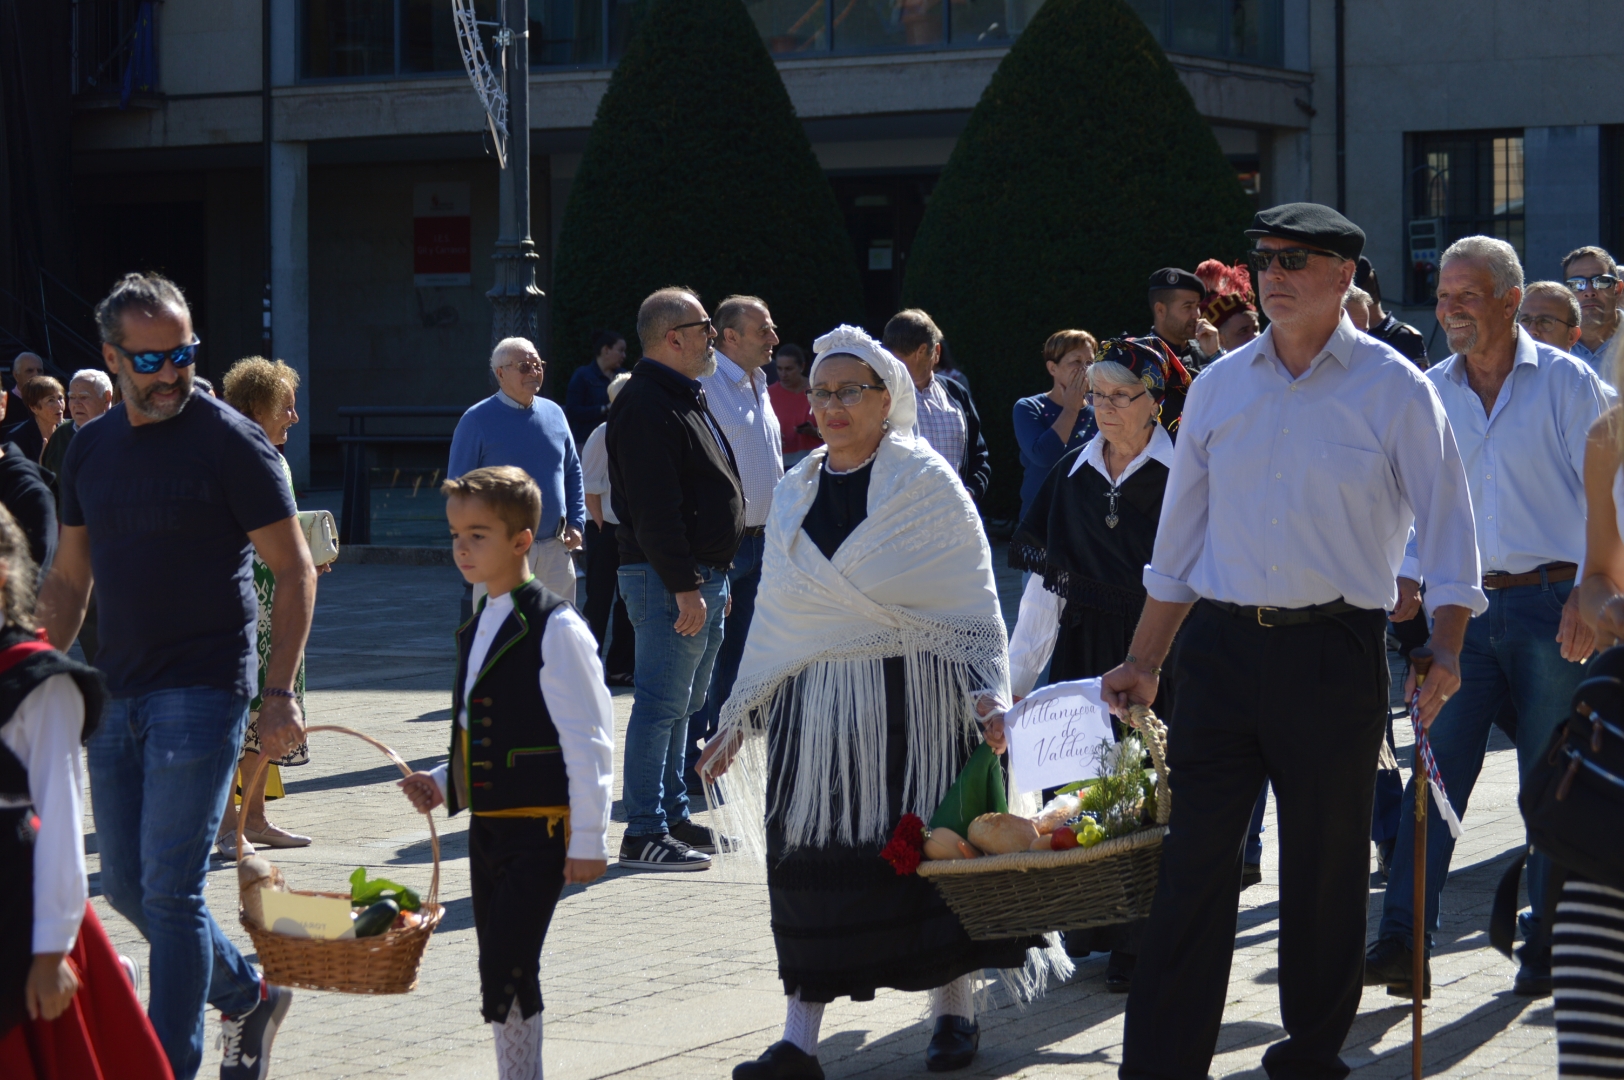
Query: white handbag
(321, 535)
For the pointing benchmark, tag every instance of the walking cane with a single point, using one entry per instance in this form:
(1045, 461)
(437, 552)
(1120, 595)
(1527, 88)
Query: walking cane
(1421, 661)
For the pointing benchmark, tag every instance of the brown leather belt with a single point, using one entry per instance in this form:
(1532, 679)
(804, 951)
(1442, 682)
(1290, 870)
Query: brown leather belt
(1556, 571)
(755, 530)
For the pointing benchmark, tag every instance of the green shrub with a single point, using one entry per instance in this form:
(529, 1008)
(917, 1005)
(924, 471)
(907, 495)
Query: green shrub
(697, 172)
(1083, 168)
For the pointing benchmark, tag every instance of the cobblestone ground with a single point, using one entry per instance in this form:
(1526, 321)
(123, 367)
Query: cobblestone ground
(673, 976)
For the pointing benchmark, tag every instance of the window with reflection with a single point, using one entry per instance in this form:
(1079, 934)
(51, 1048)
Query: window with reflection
(791, 26)
(990, 22)
(871, 25)
(1462, 183)
(566, 32)
(1245, 30)
(346, 39)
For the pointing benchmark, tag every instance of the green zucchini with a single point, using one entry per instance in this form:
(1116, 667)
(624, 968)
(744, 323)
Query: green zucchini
(376, 919)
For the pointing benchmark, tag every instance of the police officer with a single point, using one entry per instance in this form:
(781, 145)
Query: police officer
(1302, 462)
(1175, 308)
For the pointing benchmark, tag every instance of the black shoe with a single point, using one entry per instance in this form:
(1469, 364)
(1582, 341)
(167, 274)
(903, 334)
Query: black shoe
(1251, 874)
(700, 838)
(1119, 971)
(246, 1039)
(623, 679)
(953, 1045)
(782, 1061)
(1390, 963)
(1384, 857)
(663, 852)
(1533, 980)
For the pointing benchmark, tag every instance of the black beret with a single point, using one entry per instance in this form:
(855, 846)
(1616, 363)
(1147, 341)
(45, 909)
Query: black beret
(1310, 223)
(1171, 277)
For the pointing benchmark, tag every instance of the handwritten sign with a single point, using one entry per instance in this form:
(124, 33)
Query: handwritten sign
(1055, 735)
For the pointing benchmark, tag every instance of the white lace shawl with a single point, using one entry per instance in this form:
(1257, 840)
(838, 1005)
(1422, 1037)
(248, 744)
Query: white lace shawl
(915, 580)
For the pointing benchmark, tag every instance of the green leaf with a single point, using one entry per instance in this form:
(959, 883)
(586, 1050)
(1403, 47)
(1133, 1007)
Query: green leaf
(364, 893)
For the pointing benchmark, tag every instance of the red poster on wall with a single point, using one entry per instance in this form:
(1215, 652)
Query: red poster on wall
(442, 235)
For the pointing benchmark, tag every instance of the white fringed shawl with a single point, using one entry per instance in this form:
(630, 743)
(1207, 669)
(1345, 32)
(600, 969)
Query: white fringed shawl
(915, 580)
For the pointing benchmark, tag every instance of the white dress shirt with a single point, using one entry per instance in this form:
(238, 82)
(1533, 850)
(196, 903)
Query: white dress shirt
(740, 404)
(1525, 460)
(941, 423)
(578, 702)
(595, 470)
(1293, 492)
(1038, 625)
(44, 734)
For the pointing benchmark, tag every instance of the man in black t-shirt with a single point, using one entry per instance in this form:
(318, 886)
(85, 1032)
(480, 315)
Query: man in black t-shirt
(163, 500)
(1383, 326)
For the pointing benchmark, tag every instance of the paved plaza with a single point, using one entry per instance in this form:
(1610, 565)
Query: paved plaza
(673, 976)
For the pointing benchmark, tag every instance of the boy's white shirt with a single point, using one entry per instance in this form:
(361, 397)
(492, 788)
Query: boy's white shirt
(578, 702)
(44, 734)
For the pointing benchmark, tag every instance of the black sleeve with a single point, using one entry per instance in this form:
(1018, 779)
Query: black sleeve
(29, 499)
(646, 447)
(977, 470)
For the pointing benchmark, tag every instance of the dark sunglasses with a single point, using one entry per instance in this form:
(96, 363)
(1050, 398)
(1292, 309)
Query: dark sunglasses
(1595, 281)
(1290, 258)
(706, 323)
(150, 363)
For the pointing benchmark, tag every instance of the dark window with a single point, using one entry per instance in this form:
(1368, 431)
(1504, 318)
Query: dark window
(882, 215)
(1245, 30)
(1461, 183)
(347, 39)
(797, 27)
(566, 33)
(1612, 188)
(115, 51)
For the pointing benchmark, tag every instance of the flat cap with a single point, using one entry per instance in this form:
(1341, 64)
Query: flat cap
(1311, 223)
(1171, 277)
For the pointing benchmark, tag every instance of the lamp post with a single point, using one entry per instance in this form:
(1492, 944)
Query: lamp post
(515, 298)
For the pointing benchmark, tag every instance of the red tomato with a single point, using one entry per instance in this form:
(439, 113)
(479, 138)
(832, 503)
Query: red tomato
(1064, 839)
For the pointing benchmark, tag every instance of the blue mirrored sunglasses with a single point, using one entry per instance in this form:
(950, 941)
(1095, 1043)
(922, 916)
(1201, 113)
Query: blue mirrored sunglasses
(150, 363)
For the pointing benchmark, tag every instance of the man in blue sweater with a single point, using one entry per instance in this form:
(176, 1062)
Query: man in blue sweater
(516, 426)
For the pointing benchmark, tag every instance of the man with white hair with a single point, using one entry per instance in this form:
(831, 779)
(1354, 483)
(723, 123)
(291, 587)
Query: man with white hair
(1520, 410)
(517, 426)
(26, 366)
(90, 393)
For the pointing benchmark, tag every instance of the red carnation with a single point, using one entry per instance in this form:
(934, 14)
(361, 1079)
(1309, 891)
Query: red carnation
(907, 846)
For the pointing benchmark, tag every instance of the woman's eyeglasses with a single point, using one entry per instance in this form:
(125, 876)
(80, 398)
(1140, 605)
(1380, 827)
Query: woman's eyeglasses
(846, 395)
(1116, 401)
(149, 363)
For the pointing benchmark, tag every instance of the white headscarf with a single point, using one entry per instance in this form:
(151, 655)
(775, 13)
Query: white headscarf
(853, 341)
(914, 579)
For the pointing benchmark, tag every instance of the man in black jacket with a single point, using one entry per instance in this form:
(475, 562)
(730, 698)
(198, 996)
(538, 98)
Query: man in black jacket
(675, 486)
(25, 490)
(948, 420)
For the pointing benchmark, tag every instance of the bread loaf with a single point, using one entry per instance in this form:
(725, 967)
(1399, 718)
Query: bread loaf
(946, 844)
(253, 873)
(1001, 834)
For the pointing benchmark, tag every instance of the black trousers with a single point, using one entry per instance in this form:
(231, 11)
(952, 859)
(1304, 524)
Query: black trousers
(517, 873)
(1305, 707)
(603, 598)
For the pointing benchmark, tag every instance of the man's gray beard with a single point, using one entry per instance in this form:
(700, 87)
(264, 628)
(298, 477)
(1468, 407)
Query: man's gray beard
(135, 399)
(1465, 346)
(709, 366)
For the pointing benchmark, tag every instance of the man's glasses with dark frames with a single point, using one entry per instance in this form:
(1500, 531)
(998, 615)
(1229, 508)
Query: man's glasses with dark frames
(1290, 258)
(150, 363)
(1597, 282)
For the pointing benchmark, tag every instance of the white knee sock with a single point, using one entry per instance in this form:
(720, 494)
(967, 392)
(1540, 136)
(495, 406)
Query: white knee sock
(802, 1022)
(953, 999)
(518, 1046)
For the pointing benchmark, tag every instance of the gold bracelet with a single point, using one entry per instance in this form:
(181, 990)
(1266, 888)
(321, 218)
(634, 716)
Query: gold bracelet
(1134, 660)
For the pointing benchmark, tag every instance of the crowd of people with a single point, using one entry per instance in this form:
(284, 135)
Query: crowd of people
(1242, 518)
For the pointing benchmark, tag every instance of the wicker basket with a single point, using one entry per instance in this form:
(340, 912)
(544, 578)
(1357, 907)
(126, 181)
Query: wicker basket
(1033, 892)
(384, 964)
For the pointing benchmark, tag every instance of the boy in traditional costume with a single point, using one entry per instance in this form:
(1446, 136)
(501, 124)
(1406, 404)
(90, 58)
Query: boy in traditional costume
(532, 749)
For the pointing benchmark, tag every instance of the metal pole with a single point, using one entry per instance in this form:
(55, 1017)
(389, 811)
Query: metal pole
(515, 297)
(265, 165)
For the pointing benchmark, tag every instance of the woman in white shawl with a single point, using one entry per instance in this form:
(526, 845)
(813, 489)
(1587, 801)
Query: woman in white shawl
(877, 630)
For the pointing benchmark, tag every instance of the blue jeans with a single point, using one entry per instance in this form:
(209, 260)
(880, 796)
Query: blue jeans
(742, 581)
(161, 768)
(672, 677)
(1510, 657)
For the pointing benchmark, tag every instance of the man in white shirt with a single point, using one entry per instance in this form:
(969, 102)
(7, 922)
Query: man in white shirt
(737, 394)
(1521, 411)
(1303, 459)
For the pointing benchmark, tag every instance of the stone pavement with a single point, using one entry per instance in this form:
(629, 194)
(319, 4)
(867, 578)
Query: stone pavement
(662, 977)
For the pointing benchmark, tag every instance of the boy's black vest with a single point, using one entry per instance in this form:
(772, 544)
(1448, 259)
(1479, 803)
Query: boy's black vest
(25, 662)
(514, 761)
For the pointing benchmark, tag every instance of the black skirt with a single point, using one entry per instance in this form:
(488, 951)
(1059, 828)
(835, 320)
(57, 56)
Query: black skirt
(845, 923)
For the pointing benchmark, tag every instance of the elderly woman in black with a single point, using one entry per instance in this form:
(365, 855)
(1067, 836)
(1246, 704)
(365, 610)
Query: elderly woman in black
(1087, 539)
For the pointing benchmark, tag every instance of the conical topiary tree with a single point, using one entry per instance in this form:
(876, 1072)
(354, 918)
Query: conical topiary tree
(1083, 168)
(698, 173)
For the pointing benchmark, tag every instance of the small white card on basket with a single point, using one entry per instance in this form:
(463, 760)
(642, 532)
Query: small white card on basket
(1055, 735)
(306, 916)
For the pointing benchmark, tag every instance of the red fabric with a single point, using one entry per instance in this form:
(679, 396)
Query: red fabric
(21, 651)
(793, 409)
(104, 1035)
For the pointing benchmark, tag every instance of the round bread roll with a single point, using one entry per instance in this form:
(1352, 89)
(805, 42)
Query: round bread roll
(1002, 834)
